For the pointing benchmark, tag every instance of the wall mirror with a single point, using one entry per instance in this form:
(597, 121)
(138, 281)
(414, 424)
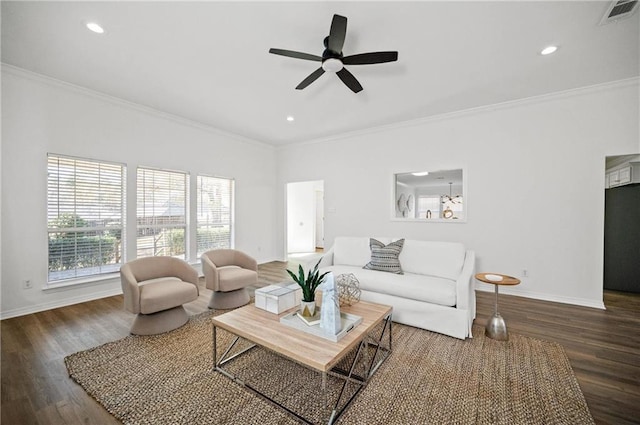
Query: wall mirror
(429, 196)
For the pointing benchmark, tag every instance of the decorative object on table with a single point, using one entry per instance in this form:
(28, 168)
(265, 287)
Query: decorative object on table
(347, 323)
(384, 258)
(330, 310)
(496, 327)
(410, 200)
(348, 289)
(278, 298)
(309, 320)
(309, 286)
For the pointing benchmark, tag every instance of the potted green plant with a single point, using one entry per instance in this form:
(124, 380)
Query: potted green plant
(309, 284)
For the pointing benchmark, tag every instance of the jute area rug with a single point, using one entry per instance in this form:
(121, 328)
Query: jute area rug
(428, 379)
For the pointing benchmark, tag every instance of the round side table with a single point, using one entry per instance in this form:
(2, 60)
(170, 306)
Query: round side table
(496, 328)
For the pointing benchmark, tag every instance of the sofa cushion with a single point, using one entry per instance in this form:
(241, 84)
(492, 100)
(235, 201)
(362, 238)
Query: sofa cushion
(430, 289)
(353, 251)
(164, 293)
(440, 259)
(231, 278)
(384, 258)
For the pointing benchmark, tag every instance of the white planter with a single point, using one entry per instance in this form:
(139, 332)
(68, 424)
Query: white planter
(308, 309)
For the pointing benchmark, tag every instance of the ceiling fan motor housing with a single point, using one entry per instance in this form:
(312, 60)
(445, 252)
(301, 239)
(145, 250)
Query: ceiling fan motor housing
(331, 61)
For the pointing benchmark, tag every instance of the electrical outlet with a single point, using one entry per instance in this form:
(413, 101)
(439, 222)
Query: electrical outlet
(525, 273)
(27, 284)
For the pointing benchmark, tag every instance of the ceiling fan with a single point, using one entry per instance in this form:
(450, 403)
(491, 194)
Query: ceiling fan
(333, 60)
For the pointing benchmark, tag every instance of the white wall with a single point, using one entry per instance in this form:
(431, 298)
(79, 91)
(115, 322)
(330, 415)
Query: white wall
(41, 115)
(535, 194)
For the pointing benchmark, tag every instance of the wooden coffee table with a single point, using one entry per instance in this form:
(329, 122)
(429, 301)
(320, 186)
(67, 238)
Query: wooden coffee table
(264, 329)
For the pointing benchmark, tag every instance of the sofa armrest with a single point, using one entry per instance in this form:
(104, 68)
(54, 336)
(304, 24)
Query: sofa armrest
(186, 273)
(465, 295)
(327, 259)
(210, 272)
(130, 290)
(245, 261)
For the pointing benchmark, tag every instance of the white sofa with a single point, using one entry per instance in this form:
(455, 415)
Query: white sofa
(436, 291)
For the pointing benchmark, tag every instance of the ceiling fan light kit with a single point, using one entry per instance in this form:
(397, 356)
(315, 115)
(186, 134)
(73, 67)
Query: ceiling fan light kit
(332, 65)
(333, 60)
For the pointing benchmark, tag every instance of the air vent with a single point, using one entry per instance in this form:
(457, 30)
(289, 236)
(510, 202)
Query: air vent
(618, 10)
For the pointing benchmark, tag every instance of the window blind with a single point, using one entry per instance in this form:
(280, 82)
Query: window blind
(214, 213)
(161, 213)
(85, 216)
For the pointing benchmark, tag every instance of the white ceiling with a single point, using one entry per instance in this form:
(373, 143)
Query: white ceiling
(209, 61)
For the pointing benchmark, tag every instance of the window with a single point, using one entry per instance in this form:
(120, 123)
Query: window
(85, 216)
(215, 213)
(428, 206)
(161, 213)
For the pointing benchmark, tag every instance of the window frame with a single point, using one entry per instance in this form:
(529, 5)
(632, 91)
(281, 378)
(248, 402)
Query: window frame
(185, 226)
(231, 212)
(122, 228)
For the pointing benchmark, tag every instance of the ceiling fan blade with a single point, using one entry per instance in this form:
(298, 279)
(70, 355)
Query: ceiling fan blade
(310, 79)
(349, 80)
(370, 58)
(296, 55)
(337, 33)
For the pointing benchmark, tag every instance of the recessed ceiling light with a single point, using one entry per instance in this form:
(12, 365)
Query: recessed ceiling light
(421, 174)
(290, 118)
(95, 27)
(548, 50)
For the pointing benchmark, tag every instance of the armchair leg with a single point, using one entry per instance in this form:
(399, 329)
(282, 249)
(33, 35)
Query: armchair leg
(160, 322)
(228, 300)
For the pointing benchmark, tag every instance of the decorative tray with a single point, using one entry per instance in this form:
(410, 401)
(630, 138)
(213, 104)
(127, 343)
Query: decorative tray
(349, 321)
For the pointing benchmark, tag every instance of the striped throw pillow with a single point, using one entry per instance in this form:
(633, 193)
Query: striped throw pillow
(384, 258)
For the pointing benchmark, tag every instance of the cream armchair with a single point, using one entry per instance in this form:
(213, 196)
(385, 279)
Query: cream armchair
(154, 289)
(227, 272)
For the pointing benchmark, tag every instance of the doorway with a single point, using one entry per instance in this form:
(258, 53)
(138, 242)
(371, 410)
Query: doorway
(622, 223)
(305, 221)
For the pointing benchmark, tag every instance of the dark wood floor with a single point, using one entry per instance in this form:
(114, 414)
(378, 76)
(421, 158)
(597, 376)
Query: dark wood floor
(603, 348)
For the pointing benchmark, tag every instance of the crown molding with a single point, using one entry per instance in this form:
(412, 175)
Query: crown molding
(628, 82)
(21, 72)
(45, 79)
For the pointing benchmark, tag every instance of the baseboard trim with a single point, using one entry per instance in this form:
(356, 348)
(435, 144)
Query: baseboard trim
(545, 297)
(23, 311)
